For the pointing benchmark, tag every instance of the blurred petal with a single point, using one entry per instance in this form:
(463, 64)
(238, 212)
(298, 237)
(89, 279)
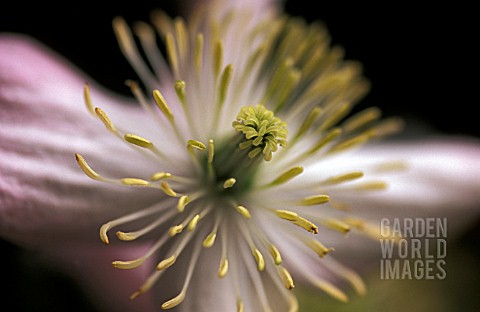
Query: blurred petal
(43, 194)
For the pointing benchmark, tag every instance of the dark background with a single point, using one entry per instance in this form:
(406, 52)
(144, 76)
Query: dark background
(421, 61)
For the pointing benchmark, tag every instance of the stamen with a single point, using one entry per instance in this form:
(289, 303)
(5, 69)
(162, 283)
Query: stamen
(193, 223)
(286, 277)
(106, 121)
(224, 83)
(318, 247)
(198, 54)
(174, 230)
(160, 176)
(195, 144)
(211, 151)
(308, 122)
(259, 258)
(371, 186)
(361, 119)
(240, 305)
(327, 138)
(209, 240)
(386, 127)
(87, 169)
(287, 215)
(180, 91)
(315, 200)
(180, 297)
(138, 140)
(88, 99)
(182, 38)
(337, 113)
(287, 176)
(350, 176)
(128, 265)
(229, 183)
(172, 54)
(331, 290)
(307, 225)
(223, 268)
(349, 143)
(277, 257)
(134, 182)
(336, 225)
(217, 59)
(166, 263)
(162, 105)
(182, 202)
(243, 211)
(167, 189)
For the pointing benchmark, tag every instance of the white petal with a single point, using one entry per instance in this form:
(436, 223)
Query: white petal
(44, 123)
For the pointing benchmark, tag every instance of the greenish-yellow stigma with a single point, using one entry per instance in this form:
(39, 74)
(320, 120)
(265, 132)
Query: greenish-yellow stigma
(262, 130)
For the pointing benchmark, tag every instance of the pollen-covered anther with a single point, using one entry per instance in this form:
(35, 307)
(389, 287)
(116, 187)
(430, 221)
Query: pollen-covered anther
(315, 200)
(223, 268)
(128, 265)
(318, 248)
(286, 277)
(259, 258)
(209, 240)
(229, 183)
(86, 168)
(193, 223)
(162, 105)
(243, 211)
(160, 176)
(262, 130)
(182, 202)
(134, 182)
(103, 232)
(105, 119)
(174, 230)
(277, 257)
(166, 263)
(167, 189)
(287, 176)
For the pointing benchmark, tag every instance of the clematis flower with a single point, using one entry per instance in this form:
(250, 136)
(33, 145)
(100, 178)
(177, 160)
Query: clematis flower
(238, 170)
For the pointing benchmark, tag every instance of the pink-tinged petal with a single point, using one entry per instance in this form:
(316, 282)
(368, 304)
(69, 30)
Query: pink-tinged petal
(107, 287)
(44, 196)
(441, 178)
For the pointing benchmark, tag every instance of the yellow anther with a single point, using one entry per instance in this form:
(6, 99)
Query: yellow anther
(166, 263)
(225, 82)
(174, 230)
(134, 182)
(172, 53)
(211, 151)
(287, 176)
(162, 105)
(315, 200)
(196, 144)
(329, 137)
(353, 142)
(286, 277)
(103, 232)
(172, 303)
(125, 236)
(361, 119)
(217, 58)
(259, 258)
(182, 202)
(198, 53)
(229, 183)
(371, 186)
(167, 189)
(318, 248)
(86, 168)
(138, 140)
(193, 223)
(128, 265)
(350, 176)
(159, 176)
(243, 211)
(308, 121)
(277, 257)
(223, 268)
(331, 290)
(307, 225)
(180, 90)
(209, 240)
(337, 225)
(240, 306)
(88, 99)
(104, 118)
(287, 215)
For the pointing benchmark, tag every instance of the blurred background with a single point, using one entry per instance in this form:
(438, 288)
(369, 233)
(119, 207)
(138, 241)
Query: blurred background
(422, 64)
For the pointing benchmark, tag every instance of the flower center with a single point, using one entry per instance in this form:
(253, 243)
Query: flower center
(230, 167)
